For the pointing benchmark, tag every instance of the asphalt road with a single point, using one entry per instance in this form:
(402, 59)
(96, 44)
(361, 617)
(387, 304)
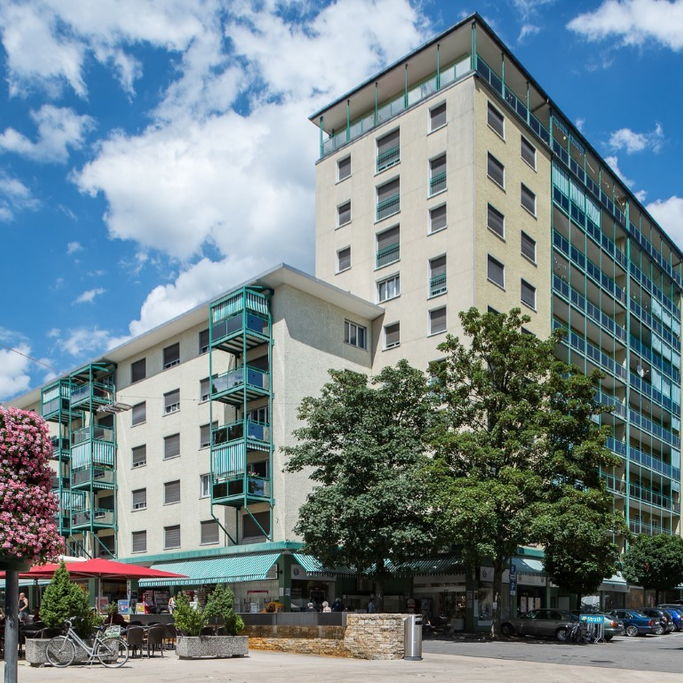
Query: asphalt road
(649, 653)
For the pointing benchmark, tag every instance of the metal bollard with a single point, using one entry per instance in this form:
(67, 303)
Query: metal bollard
(412, 637)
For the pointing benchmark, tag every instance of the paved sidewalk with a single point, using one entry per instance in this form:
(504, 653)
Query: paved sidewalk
(275, 667)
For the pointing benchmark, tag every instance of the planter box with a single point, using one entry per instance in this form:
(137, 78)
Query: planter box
(35, 652)
(193, 647)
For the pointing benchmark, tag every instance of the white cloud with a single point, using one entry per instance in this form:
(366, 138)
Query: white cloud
(58, 130)
(88, 296)
(631, 142)
(580, 123)
(669, 214)
(528, 30)
(14, 376)
(85, 341)
(530, 7)
(14, 197)
(73, 247)
(614, 164)
(635, 22)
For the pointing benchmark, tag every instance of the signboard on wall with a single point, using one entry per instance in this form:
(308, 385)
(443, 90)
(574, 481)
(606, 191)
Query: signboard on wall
(300, 574)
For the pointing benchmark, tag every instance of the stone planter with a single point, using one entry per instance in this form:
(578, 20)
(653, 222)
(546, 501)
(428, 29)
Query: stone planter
(194, 647)
(35, 652)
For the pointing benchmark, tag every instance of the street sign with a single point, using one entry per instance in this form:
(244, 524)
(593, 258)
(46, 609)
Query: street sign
(591, 618)
(513, 586)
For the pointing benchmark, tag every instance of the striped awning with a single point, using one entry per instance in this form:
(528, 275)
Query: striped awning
(313, 566)
(528, 565)
(236, 569)
(449, 563)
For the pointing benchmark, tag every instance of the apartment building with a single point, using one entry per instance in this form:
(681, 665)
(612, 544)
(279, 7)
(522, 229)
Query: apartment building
(450, 180)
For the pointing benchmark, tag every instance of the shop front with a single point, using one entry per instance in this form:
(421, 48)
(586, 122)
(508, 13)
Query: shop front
(442, 599)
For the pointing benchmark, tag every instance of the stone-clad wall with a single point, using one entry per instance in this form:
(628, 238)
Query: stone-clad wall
(366, 636)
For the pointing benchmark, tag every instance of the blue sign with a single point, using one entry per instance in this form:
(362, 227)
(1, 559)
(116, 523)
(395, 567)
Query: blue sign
(513, 586)
(591, 618)
(513, 570)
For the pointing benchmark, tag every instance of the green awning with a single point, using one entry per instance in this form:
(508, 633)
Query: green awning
(450, 563)
(235, 569)
(527, 565)
(312, 566)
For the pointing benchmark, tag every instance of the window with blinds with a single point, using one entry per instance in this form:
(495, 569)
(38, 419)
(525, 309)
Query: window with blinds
(344, 214)
(171, 537)
(528, 152)
(250, 528)
(528, 294)
(209, 532)
(528, 247)
(139, 541)
(172, 355)
(496, 272)
(343, 259)
(437, 218)
(437, 320)
(139, 456)
(496, 171)
(171, 492)
(205, 434)
(139, 499)
(139, 413)
(388, 199)
(388, 247)
(437, 276)
(392, 335)
(204, 389)
(528, 199)
(203, 341)
(171, 446)
(138, 370)
(437, 175)
(388, 150)
(343, 168)
(495, 221)
(496, 120)
(172, 401)
(437, 117)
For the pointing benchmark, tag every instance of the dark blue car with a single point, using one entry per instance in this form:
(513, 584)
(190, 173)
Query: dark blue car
(676, 614)
(635, 623)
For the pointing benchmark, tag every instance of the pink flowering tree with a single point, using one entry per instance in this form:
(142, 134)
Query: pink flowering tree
(27, 505)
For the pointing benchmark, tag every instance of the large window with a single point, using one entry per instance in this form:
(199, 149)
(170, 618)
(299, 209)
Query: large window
(389, 288)
(139, 456)
(528, 247)
(496, 272)
(437, 218)
(437, 116)
(203, 341)
(495, 221)
(139, 413)
(138, 370)
(343, 168)
(354, 334)
(139, 499)
(528, 199)
(344, 213)
(388, 247)
(496, 171)
(392, 335)
(437, 175)
(139, 541)
(528, 152)
(171, 537)
(437, 276)
(171, 355)
(388, 199)
(172, 492)
(388, 150)
(528, 294)
(437, 320)
(496, 120)
(172, 402)
(171, 446)
(209, 532)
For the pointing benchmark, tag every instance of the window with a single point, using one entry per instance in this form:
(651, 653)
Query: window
(496, 221)
(209, 532)
(389, 288)
(259, 415)
(343, 168)
(528, 200)
(138, 370)
(171, 446)
(172, 402)
(437, 276)
(496, 272)
(139, 541)
(437, 175)
(388, 150)
(344, 214)
(171, 355)
(496, 171)
(388, 199)
(140, 499)
(388, 247)
(392, 335)
(528, 294)
(203, 341)
(171, 537)
(343, 259)
(139, 456)
(205, 434)
(354, 334)
(204, 389)
(204, 485)
(437, 117)
(528, 152)
(528, 247)
(256, 526)
(437, 320)
(171, 492)
(139, 413)
(496, 120)
(437, 219)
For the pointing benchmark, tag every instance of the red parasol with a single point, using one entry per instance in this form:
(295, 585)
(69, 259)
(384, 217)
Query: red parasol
(102, 569)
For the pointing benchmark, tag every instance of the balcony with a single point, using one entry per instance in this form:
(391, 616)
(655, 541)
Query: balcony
(654, 498)
(92, 394)
(240, 321)
(231, 387)
(239, 487)
(95, 477)
(92, 447)
(54, 401)
(60, 448)
(99, 517)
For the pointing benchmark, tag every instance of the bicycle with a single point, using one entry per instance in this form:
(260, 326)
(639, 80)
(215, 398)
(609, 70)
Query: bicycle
(109, 648)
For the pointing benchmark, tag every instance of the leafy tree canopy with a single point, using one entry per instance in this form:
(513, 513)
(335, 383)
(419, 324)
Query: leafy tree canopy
(655, 562)
(363, 442)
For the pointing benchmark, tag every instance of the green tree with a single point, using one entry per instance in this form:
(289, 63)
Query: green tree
(518, 441)
(188, 620)
(655, 562)
(363, 440)
(219, 609)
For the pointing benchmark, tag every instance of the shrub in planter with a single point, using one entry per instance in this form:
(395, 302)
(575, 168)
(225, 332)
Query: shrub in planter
(219, 610)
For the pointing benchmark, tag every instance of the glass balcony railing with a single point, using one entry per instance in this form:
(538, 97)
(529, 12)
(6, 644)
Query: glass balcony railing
(240, 486)
(95, 391)
(653, 498)
(256, 431)
(647, 425)
(97, 517)
(587, 349)
(92, 434)
(238, 378)
(638, 527)
(95, 475)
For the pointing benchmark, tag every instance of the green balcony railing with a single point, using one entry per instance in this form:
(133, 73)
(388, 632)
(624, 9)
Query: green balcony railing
(388, 158)
(388, 206)
(437, 183)
(388, 254)
(437, 285)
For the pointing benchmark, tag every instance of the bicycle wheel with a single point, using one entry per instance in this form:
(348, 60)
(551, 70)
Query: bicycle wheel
(60, 651)
(112, 652)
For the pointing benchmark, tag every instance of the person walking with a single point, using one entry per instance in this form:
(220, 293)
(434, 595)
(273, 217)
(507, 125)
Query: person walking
(326, 606)
(23, 607)
(337, 605)
(370, 609)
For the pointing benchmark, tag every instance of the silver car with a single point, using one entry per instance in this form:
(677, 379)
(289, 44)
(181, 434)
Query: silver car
(548, 623)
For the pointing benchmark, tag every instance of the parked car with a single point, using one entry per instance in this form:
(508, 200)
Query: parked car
(674, 610)
(613, 626)
(635, 623)
(667, 624)
(549, 623)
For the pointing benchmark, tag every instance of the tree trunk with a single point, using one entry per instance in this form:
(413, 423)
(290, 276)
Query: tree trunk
(579, 597)
(498, 570)
(379, 595)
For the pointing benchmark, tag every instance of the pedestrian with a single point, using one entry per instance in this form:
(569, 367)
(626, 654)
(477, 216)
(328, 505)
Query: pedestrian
(326, 606)
(337, 605)
(23, 607)
(171, 605)
(311, 607)
(370, 609)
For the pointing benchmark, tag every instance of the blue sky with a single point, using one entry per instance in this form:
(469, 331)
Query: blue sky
(153, 153)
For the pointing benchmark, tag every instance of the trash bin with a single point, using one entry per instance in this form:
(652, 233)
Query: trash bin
(412, 637)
